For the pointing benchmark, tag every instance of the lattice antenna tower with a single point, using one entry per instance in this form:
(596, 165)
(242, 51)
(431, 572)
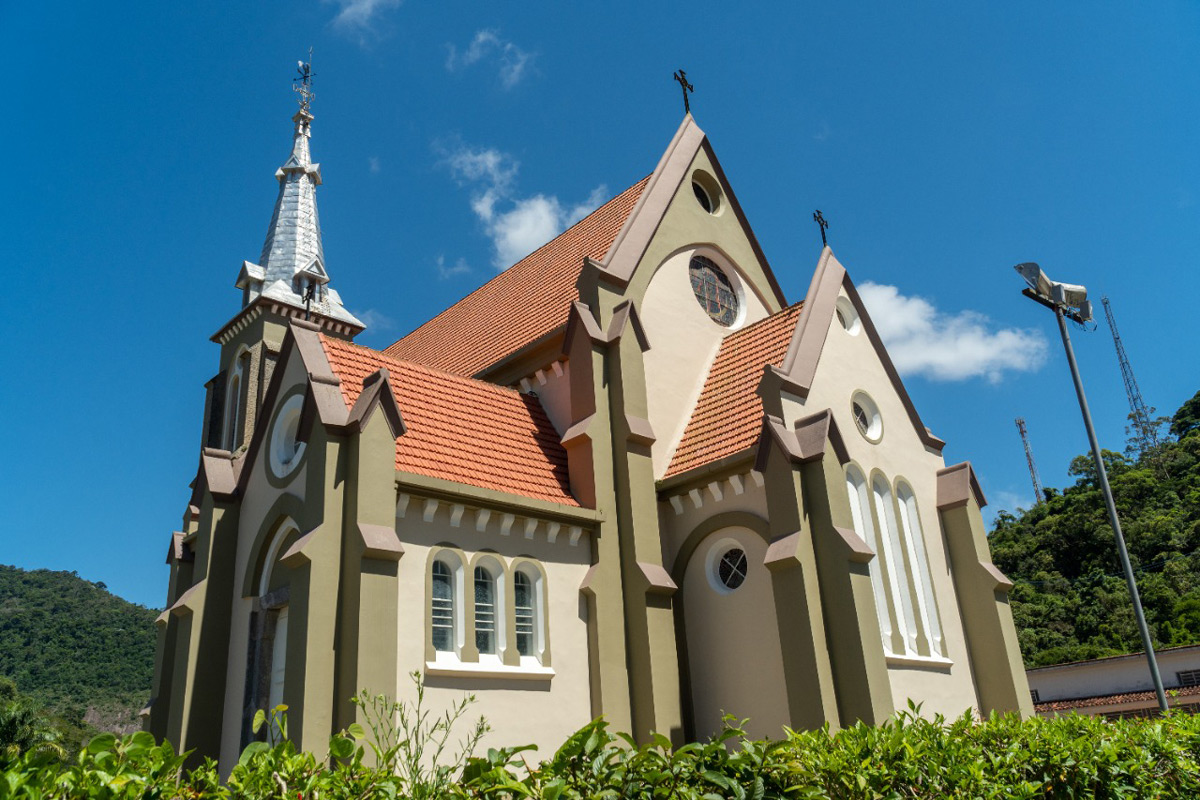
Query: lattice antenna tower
(1141, 415)
(1038, 494)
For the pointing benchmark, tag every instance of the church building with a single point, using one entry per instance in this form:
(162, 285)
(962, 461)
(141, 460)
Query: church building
(625, 477)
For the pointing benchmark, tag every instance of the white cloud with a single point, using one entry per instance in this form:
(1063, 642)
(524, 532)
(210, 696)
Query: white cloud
(373, 164)
(358, 16)
(516, 225)
(513, 63)
(459, 267)
(375, 320)
(923, 340)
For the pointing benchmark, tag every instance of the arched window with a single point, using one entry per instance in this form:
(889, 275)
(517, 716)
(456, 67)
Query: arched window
(442, 624)
(235, 411)
(485, 611)
(860, 512)
(922, 578)
(897, 572)
(526, 616)
(278, 660)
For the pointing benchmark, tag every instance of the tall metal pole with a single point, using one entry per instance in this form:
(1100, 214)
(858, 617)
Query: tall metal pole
(1102, 474)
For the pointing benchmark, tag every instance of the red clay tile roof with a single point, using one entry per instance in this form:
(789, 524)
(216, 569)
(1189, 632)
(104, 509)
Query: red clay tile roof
(460, 429)
(728, 416)
(520, 305)
(1112, 699)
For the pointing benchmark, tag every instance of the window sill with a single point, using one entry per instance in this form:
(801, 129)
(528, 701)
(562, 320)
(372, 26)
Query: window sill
(918, 661)
(468, 669)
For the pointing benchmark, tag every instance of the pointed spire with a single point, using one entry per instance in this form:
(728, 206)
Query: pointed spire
(292, 265)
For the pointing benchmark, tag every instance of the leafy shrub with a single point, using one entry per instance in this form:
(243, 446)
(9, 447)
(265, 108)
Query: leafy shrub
(908, 757)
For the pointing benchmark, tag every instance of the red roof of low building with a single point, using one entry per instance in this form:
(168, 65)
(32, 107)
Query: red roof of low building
(727, 418)
(1124, 698)
(520, 305)
(460, 429)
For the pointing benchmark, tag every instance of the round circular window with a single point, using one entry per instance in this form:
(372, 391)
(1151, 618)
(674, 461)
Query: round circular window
(707, 191)
(847, 316)
(286, 449)
(866, 417)
(713, 290)
(727, 566)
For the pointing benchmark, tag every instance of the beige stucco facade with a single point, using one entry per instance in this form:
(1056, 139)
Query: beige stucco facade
(311, 567)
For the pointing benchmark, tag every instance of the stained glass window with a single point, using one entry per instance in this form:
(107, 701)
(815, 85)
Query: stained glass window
(523, 601)
(485, 611)
(443, 608)
(713, 290)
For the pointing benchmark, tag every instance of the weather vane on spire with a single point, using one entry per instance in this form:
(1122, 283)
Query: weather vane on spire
(681, 77)
(303, 84)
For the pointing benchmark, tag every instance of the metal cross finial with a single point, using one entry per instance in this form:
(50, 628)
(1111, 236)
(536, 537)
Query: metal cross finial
(303, 84)
(819, 218)
(681, 77)
(308, 298)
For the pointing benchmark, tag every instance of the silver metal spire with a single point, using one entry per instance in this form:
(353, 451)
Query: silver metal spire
(291, 268)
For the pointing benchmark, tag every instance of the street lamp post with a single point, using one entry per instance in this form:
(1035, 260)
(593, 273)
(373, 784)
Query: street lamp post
(1069, 301)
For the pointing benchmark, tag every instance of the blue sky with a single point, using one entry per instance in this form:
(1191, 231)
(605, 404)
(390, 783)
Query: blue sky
(944, 142)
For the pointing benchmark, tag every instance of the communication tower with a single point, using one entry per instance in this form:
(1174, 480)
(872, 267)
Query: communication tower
(1141, 416)
(1038, 494)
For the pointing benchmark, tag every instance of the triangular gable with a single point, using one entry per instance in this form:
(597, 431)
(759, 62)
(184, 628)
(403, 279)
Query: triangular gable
(804, 351)
(664, 184)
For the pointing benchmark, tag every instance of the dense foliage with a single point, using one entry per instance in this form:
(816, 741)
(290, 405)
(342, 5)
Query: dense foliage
(1070, 601)
(1001, 757)
(82, 653)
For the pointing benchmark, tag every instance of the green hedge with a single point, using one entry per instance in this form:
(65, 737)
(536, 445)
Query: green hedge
(1002, 757)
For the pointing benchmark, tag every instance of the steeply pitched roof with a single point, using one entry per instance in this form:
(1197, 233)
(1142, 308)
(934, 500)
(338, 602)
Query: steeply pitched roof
(727, 418)
(520, 305)
(460, 429)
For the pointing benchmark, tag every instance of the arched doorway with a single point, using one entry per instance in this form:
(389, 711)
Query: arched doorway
(734, 659)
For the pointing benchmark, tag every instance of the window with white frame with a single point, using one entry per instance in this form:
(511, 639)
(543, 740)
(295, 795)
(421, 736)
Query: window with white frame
(922, 578)
(524, 613)
(499, 627)
(443, 607)
(278, 660)
(897, 571)
(485, 611)
(860, 514)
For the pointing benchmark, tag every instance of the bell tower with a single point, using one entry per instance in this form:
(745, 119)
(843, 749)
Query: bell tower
(289, 282)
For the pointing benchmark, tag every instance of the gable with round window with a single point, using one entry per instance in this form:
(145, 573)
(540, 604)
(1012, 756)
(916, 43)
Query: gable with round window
(714, 291)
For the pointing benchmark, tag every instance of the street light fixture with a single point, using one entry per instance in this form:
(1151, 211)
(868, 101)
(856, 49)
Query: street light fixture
(1069, 301)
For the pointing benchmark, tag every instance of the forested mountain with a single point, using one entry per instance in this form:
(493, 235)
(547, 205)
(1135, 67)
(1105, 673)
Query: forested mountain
(83, 653)
(1070, 599)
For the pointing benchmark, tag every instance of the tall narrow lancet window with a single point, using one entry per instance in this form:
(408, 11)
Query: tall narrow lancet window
(860, 513)
(278, 660)
(485, 611)
(922, 578)
(525, 613)
(235, 412)
(902, 598)
(443, 608)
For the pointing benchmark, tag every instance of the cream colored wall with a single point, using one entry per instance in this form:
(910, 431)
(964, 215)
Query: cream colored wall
(520, 711)
(683, 342)
(733, 651)
(676, 527)
(683, 339)
(554, 392)
(848, 364)
(257, 500)
(1110, 676)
